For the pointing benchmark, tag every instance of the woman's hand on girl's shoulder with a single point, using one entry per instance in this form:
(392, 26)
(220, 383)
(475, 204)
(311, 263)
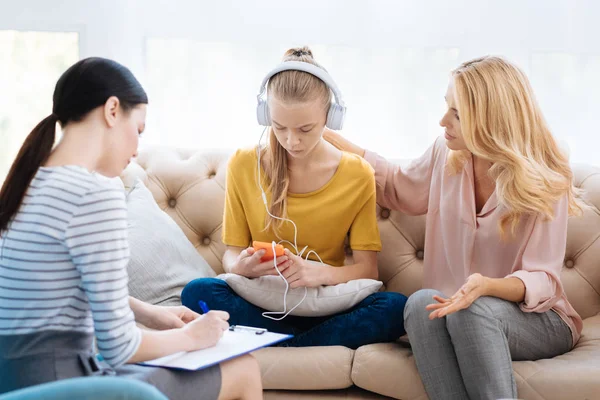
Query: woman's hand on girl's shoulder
(342, 143)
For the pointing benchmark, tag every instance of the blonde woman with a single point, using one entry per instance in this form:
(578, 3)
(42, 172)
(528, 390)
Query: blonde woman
(329, 194)
(497, 192)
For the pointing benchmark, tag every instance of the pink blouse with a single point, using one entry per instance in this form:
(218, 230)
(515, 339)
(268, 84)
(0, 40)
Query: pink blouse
(459, 241)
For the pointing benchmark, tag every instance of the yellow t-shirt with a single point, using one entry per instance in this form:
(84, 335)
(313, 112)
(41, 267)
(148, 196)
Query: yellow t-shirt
(343, 206)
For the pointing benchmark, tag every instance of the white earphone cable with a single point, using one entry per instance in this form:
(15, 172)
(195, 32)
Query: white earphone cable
(294, 245)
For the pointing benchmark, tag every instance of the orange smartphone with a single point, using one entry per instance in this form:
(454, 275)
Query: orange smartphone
(268, 247)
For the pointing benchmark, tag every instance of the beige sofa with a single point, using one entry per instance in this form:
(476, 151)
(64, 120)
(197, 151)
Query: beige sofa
(189, 185)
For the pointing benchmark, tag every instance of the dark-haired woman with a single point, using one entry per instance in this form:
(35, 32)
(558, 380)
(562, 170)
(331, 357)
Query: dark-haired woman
(64, 251)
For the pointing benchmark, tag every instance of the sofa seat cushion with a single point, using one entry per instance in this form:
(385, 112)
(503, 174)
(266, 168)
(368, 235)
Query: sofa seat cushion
(305, 368)
(574, 375)
(389, 369)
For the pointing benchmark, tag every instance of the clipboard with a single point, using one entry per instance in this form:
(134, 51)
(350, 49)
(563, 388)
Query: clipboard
(236, 341)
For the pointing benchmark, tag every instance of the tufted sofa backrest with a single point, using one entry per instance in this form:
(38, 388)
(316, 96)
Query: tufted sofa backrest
(189, 185)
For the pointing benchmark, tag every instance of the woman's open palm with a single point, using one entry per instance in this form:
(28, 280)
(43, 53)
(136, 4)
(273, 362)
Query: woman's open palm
(473, 289)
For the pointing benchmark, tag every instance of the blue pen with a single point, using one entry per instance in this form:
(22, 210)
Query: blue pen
(203, 307)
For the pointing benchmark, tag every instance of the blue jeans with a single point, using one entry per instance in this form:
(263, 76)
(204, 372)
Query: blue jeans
(378, 318)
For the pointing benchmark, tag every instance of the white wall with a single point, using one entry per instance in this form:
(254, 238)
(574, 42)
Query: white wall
(555, 41)
(116, 28)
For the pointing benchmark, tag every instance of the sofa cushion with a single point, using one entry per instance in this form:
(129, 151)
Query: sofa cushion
(162, 260)
(189, 186)
(581, 271)
(267, 292)
(574, 375)
(390, 369)
(305, 368)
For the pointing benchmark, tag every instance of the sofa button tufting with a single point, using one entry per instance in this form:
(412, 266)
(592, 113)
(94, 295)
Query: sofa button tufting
(420, 254)
(206, 241)
(569, 264)
(211, 175)
(385, 213)
(172, 203)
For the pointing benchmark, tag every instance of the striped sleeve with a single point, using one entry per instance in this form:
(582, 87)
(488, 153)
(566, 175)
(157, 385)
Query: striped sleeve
(97, 242)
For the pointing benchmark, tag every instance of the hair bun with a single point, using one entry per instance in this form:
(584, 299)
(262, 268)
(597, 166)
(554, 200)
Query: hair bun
(299, 52)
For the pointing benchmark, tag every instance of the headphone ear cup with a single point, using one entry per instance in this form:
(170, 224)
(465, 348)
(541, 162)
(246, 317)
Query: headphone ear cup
(262, 113)
(336, 116)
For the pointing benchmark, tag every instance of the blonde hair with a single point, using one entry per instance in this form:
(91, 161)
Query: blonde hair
(290, 87)
(501, 122)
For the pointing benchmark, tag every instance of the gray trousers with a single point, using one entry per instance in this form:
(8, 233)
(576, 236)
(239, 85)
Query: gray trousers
(468, 354)
(47, 356)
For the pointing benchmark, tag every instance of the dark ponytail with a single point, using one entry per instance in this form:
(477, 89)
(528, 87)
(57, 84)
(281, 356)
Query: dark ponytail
(83, 87)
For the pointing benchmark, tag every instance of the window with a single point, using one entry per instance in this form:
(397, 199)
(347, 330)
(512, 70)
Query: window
(30, 65)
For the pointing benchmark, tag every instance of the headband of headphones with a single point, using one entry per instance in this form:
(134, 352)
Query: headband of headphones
(304, 67)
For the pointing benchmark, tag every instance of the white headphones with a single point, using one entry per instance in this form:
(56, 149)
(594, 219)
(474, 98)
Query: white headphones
(337, 110)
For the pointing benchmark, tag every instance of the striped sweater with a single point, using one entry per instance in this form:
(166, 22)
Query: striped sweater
(63, 262)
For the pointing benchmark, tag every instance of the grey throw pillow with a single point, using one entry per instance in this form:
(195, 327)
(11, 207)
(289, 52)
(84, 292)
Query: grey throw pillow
(162, 260)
